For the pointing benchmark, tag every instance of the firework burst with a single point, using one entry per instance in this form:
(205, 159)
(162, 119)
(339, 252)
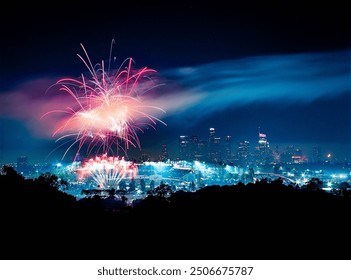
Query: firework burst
(106, 171)
(108, 108)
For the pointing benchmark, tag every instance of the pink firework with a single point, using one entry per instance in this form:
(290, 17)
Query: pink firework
(109, 108)
(106, 171)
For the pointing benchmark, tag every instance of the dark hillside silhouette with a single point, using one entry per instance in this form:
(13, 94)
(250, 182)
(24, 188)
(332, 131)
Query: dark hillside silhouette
(265, 220)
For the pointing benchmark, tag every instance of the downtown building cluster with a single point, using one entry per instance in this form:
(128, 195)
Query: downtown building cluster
(215, 149)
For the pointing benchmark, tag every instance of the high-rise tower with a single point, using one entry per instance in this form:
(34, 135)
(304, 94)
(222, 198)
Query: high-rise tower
(184, 148)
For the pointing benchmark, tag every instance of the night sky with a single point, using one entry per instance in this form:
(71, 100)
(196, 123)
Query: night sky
(283, 67)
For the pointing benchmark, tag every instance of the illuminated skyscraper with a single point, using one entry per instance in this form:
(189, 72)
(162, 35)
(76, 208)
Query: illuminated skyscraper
(228, 156)
(194, 147)
(211, 137)
(164, 153)
(217, 150)
(243, 152)
(184, 147)
(212, 133)
(263, 154)
(276, 154)
(262, 142)
(202, 150)
(198, 148)
(214, 147)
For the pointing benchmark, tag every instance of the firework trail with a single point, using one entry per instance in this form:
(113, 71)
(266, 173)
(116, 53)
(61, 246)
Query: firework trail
(108, 108)
(106, 171)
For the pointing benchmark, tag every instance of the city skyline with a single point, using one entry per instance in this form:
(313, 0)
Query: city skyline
(284, 68)
(172, 149)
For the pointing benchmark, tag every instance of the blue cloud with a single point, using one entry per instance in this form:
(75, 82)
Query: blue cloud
(271, 79)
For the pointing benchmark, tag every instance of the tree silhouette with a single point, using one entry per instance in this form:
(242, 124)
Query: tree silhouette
(10, 172)
(258, 220)
(314, 184)
(48, 179)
